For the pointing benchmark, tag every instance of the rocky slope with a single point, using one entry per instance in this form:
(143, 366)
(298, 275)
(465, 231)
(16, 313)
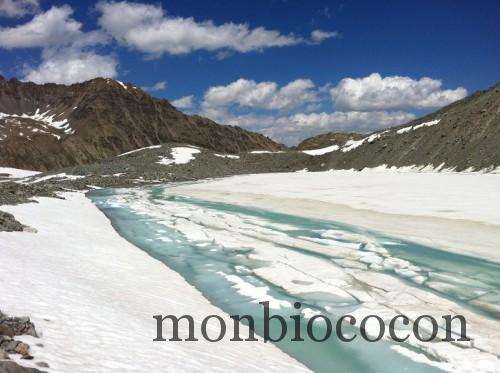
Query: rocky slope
(328, 139)
(50, 126)
(463, 135)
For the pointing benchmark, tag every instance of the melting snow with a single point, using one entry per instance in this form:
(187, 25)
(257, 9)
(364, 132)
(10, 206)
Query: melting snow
(322, 151)
(416, 127)
(58, 176)
(181, 155)
(352, 144)
(122, 84)
(44, 118)
(227, 156)
(17, 173)
(138, 150)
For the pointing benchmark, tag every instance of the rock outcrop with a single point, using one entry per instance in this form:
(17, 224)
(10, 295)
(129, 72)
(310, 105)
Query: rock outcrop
(10, 327)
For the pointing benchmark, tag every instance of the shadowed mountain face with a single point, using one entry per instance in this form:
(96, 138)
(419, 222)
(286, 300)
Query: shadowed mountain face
(44, 127)
(465, 134)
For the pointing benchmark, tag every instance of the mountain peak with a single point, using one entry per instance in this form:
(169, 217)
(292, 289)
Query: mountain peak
(51, 126)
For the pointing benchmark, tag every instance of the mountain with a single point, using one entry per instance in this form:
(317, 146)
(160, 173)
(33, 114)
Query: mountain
(463, 135)
(44, 127)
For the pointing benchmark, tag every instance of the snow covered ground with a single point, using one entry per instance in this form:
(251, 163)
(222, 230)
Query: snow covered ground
(17, 173)
(92, 296)
(453, 211)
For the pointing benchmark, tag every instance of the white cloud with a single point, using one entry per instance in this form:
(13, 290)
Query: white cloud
(185, 102)
(392, 93)
(318, 36)
(71, 67)
(294, 128)
(18, 8)
(289, 113)
(52, 29)
(158, 86)
(65, 57)
(263, 95)
(147, 28)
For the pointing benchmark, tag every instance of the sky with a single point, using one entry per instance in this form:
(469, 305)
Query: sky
(288, 69)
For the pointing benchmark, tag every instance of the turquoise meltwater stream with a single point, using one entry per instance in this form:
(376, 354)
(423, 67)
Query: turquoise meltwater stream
(462, 279)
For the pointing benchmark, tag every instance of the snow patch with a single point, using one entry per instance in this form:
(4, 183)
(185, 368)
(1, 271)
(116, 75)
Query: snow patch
(418, 126)
(17, 173)
(180, 155)
(322, 151)
(46, 119)
(122, 84)
(62, 175)
(230, 156)
(141, 149)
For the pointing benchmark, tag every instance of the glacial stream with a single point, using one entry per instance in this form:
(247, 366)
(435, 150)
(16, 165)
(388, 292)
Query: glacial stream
(238, 256)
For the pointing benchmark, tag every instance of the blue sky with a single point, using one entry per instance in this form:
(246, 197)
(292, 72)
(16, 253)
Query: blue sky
(289, 69)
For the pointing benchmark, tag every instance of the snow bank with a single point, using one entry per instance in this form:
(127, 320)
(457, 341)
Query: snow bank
(62, 175)
(322, 151)
(418, 126)
(452, 210)
(17, 173)
(446, 195)
(140, 149)
(92, 296)
(180, 155)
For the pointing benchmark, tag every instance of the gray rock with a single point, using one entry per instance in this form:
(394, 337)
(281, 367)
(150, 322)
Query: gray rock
(8, 223)
(12, 367)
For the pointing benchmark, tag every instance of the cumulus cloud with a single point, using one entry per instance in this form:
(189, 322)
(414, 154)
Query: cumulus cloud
(263, 95)
(158, 86)
(71, 67)
(318, 36)
(147, 28)
(52, 29)
(185, 102)
(374, 92)
(18, 8)
(66, 55)
(296, 110)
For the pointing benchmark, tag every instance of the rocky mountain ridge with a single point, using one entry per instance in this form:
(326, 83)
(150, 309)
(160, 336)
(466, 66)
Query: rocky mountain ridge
(463, 135)
(52, 127)
(44, 127)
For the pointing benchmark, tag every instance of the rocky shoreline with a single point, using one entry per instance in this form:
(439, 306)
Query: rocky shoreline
(10, 327)
(138, 168)
(143, 167)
